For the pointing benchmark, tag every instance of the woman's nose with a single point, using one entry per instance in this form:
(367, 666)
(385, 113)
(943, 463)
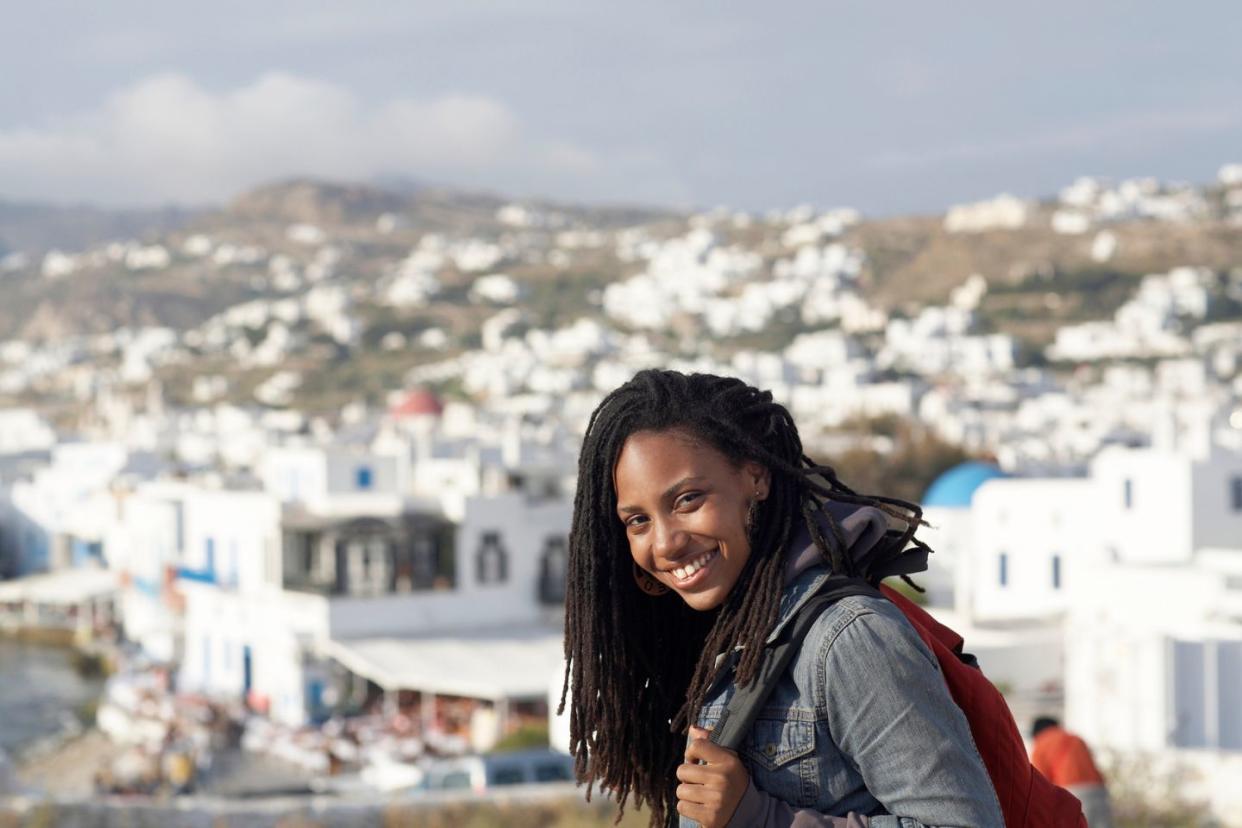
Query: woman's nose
(669, 539)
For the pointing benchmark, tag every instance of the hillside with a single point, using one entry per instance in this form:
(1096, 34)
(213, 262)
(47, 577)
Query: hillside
(350, 286)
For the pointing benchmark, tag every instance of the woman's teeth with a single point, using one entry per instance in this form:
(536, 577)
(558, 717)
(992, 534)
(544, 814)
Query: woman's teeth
(684, 572)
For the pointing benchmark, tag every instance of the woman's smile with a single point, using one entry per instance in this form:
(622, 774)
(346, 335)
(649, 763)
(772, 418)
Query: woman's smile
(694, 572)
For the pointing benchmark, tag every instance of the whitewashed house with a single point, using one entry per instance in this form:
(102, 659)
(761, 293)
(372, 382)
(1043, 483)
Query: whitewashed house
(58, 514)
(336, 478)
(318, 598)
(173, 538)
(1154, 640)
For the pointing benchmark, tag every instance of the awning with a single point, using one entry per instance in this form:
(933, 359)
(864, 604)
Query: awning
(493, 665)
(66, 587)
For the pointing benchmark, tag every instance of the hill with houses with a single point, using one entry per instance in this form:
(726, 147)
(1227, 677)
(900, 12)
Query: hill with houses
(313, 294)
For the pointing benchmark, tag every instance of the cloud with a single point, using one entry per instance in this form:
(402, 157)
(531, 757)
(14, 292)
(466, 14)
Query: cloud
(167, 139)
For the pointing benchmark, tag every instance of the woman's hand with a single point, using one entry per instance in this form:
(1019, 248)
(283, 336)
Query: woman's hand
(713, 781)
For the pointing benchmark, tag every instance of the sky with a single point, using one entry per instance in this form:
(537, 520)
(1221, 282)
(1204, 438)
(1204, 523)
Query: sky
(889, 107)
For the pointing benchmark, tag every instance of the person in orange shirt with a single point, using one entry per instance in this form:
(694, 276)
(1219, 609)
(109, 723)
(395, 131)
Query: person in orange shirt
(1065, 760)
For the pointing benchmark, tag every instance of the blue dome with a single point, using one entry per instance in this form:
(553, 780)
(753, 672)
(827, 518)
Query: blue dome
(955, 488)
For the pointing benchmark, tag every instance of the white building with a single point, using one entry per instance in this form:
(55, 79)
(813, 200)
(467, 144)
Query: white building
(336, 478)
(58, 515)
(370, 595)
(1154, 643)
(1004, 212)
(1138, 566)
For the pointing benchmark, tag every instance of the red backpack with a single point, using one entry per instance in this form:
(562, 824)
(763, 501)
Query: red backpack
(1027, 799)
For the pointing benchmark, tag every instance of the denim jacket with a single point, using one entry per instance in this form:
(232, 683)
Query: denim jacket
(861, 730)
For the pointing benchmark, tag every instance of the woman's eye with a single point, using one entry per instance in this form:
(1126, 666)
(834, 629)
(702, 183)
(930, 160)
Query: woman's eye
(635, 522)
(689, 499)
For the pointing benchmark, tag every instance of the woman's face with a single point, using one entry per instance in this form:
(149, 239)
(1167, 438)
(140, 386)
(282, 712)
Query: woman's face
(684, 507)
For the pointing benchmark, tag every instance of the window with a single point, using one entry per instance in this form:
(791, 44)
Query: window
(492, 561)
(508, 775)
(457, 780)
(552, 568)
(362, 477)
(1003, 569)
(553, 773)
(308, 554)
(424, 563)
(1235, 492)
(209, 547)
(1128, 494)
(1056, 571)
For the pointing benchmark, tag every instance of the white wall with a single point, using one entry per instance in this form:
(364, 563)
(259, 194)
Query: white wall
(1030, 522)
(278, 628)
(451, 481)
(67, 496)
(523, 527)
(950, 533)
(243, 531)
(1157, 526)
(343, 466)
(295, 474)
(146, 535)
(1126, 687)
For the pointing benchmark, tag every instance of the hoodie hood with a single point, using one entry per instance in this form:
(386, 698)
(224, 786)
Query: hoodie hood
(863, 527)
(807, 569)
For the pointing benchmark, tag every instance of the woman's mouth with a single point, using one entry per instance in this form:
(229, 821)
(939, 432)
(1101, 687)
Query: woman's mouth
(695, 570)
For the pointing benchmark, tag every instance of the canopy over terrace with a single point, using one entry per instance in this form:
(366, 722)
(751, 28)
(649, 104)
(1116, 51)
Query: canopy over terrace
(496, 665)
(65, 600)
(64, 588)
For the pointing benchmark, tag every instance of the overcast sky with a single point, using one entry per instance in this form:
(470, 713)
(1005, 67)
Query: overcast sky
(888, 107)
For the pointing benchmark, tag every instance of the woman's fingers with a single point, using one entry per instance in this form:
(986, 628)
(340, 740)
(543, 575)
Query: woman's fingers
(704, 750)
(698, 794)
(695, 774)
(690, 810)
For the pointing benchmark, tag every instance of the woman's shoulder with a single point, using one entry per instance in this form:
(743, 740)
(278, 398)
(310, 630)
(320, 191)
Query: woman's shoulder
(863, 626)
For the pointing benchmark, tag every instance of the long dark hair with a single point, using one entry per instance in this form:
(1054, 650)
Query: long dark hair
(639, 667)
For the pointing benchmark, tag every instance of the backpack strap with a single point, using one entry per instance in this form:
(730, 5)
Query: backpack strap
(742, 708)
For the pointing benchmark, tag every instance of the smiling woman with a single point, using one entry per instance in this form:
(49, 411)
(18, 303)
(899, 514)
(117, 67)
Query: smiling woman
(687, 512)
(700, 529)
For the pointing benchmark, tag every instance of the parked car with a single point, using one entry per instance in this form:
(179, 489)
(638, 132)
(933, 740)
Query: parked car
(492, 770)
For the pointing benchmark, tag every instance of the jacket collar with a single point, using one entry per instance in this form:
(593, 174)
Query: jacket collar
(797, 593)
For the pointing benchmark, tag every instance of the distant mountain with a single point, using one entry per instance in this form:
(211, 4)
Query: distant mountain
(321, 203)
(36, 228)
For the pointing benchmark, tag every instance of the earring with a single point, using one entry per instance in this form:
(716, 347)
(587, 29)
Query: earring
(647, 583)
(752, 512)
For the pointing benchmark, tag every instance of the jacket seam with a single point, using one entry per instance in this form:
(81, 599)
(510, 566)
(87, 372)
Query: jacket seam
(821, 656)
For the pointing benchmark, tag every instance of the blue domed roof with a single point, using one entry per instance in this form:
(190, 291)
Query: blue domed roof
(955, 488)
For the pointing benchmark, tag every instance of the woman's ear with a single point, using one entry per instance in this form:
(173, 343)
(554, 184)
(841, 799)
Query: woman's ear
(759, 477)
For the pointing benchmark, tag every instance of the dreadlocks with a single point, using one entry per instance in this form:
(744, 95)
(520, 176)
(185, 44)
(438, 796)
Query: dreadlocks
(640, 667)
